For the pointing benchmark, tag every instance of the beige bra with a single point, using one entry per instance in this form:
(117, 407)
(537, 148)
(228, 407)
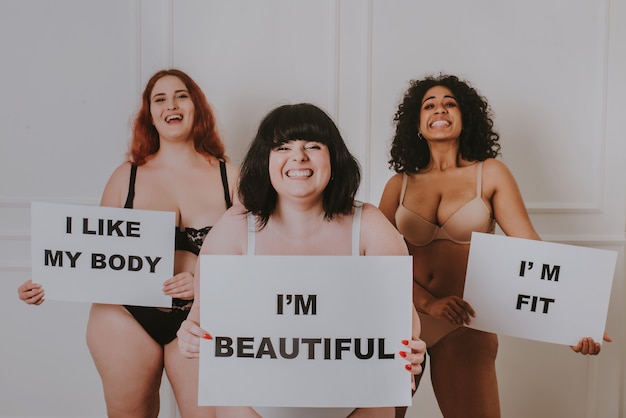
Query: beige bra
(474, 216)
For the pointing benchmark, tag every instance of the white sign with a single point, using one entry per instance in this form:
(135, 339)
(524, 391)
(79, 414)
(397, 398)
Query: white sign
(538, 290)
(305, 331)
(102, 254)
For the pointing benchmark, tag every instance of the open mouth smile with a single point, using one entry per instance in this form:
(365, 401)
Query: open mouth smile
(170, 118)
(299, 173)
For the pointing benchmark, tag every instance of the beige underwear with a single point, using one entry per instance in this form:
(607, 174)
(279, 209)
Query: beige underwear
(434, 329)
(303, 412)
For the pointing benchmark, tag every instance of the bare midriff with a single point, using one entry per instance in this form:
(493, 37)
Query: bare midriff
(439, 268)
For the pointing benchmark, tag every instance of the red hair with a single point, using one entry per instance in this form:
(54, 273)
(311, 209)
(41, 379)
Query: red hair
(206, 138)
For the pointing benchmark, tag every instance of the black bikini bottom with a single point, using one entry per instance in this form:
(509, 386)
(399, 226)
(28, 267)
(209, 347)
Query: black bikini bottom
(160, 324)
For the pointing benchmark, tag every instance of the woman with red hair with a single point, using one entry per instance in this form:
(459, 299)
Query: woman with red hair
(176, 164)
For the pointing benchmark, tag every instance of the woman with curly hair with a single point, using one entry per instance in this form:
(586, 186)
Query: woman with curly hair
(449, 184)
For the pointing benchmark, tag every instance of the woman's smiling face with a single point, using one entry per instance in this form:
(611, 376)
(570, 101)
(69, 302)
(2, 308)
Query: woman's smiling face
(172, 108)
(300, 168)
(440, 115)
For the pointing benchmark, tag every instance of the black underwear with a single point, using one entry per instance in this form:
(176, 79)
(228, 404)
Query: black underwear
(163, 323)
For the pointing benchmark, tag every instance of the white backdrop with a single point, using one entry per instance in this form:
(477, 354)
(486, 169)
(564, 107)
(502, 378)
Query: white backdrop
(72, 74)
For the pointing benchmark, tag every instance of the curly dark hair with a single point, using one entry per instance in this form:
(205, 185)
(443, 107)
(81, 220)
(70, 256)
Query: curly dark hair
(477, 141)
(303, 121)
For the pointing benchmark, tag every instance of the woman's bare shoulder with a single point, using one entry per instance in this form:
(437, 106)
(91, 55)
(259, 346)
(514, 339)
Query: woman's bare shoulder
(370, 210)
(229, 234)
(373, 217)
(394, 182)
(121, 171)
(497, 175)
(390, 198)
(379, 236)
(235, 217)
(117, 186)
(492, 166)
(232, 168)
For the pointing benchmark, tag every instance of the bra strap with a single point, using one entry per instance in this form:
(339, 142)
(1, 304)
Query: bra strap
(131, 187)
(229, 203)
(356, 228)
(405, 179)
(479, 179)
(251, 234)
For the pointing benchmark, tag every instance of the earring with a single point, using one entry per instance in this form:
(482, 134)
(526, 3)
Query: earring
(420, 136)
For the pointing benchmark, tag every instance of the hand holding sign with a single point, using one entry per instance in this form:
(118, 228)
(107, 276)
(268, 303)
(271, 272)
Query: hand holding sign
(587, 345)
(534, 289)
(342, 333)
(102, 254)
(180, 286)
(31, 293)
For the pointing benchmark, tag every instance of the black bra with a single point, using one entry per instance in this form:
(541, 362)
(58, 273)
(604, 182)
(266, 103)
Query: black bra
(188, 239)
(191, 239)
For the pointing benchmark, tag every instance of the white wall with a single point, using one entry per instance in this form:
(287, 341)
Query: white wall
(553, 70)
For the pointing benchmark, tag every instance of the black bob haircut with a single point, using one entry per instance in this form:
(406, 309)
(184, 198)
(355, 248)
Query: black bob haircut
(303, 121)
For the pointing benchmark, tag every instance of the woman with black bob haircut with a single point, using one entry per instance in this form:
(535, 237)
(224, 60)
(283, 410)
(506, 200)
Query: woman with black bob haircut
(477, 141)
(303, 121)
(297, 187)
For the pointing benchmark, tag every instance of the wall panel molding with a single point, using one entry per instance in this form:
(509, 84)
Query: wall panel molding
(354, 83)
(593, 202)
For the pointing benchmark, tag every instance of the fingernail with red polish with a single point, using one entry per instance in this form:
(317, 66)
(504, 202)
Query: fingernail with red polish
(405, 342)
(408, 367)
(402, 354)
(208, 336)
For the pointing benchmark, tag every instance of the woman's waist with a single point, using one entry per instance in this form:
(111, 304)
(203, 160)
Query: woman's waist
(439, 280)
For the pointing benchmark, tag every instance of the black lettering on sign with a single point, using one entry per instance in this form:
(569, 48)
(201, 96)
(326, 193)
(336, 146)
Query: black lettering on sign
(109, 227)
(533, 301)
(56, 259)
(302, 304)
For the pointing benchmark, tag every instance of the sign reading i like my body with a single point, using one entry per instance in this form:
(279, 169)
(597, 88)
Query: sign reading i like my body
(100, 254)
(538, 290)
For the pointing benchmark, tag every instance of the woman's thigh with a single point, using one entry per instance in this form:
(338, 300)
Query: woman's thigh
(463, 373)
(129, 361)
(183, 375)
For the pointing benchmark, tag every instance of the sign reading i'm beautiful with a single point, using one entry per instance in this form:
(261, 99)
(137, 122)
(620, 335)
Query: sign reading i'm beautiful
(305, 331)
(100, 254)
(538, 290)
